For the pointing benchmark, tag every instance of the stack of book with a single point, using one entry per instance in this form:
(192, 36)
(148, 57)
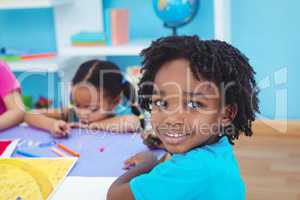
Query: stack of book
(88, 39)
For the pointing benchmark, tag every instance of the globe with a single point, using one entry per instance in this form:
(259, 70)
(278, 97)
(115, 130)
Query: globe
(175, 13)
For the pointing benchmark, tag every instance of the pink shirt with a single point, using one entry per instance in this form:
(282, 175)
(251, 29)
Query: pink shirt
(8, 83)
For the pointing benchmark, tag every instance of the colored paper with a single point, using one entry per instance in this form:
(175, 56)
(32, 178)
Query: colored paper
(88, 37)
(34, 178)
(7, 147)
(78, 188)
(3, 145)
(88, 44)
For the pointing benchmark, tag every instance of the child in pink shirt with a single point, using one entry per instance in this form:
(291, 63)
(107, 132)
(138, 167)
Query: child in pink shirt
(11, 104)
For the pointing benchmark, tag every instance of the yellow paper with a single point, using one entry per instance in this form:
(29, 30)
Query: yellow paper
(32, 178)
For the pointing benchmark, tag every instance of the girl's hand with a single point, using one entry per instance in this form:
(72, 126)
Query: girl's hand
(78, 125)
(143, 157)
(94, 126)
(60, 129)
(84, 120)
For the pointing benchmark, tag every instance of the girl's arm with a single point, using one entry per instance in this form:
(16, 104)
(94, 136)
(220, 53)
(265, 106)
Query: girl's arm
(50, 120)
(143, 163)
(123, 124)
(15, 110)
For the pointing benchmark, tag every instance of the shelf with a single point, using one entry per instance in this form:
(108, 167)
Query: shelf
(133, 48)
(30, 4)
(55, 64)
(38, 65)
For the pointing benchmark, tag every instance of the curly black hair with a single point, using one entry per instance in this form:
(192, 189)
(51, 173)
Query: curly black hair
(216, 61)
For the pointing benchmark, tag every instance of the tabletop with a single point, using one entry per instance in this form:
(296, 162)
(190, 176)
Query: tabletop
(101, 153)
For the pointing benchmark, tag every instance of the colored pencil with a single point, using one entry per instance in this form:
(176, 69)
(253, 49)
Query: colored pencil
(67, 149)
(26, 154)
(58, 152)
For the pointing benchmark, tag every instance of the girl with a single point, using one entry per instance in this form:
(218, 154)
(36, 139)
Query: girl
(203, 95)
(11, 104)
(97, 88)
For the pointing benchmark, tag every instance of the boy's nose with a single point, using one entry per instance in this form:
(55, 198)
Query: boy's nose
(174, 118)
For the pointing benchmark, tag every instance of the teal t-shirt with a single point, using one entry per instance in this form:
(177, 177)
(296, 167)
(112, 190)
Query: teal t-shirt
(121, 110)
(209, 173)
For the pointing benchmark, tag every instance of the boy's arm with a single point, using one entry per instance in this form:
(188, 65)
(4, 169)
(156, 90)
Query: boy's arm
(123, 124)
(15, 110)
(120, 189)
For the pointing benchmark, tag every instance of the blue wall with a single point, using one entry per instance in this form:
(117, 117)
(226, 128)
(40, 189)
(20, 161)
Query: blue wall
(31, 29)
(268, 33)
(40, 84)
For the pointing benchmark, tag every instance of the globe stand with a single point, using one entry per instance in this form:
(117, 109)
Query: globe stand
(174, 29)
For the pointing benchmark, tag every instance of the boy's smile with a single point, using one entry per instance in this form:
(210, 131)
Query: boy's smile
(173, 134)
(185, 111)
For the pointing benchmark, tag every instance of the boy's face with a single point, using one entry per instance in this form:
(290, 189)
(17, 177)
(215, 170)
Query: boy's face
(185, 111)
(91, 104)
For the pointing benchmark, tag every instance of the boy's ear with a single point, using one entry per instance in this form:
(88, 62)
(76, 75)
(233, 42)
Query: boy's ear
(229, 114)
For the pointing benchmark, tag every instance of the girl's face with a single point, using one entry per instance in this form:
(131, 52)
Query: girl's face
(185, 111)
(91, 104)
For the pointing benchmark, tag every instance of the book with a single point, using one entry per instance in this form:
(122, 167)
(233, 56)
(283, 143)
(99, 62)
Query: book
(116, 26)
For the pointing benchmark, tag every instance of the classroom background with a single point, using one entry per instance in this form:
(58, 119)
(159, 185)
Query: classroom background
(57, 37)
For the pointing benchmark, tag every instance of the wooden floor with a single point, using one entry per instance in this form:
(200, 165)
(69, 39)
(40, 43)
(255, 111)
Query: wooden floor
(270, 164)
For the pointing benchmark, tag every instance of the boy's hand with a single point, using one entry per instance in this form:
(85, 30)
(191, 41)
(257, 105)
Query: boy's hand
(60, 129)
(151, 140)
(143, 157)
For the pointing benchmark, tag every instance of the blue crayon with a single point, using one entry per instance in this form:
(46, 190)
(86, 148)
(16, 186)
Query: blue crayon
(47, 144)
(26, 154)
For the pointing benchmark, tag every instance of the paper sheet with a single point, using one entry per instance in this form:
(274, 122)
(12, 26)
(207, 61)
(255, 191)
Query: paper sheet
(10, 149)
(34, 178)
(81, 188)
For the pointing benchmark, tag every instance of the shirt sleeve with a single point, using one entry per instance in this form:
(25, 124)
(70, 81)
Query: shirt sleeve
(170, 180)
(8, 81)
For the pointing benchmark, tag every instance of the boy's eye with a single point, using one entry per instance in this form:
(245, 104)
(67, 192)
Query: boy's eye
(194, 104)
(160, 103)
